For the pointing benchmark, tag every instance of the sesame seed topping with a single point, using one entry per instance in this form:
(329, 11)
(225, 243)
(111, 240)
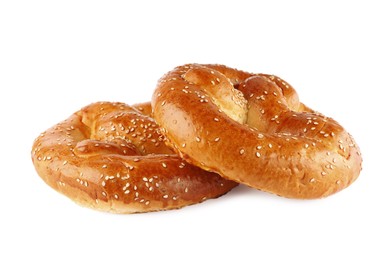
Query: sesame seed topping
(242, 151)
(197, 139)
(165, 196)
(164, 165)
(258, 155)
(217, 139)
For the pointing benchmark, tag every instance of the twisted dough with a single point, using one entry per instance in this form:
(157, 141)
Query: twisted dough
(251, 128)
(109, 156)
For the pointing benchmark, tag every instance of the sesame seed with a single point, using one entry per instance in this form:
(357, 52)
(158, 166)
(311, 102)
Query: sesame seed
(312, 180)
(216, 119)
(145, 179)
(323, 173)
(270, 145)
(217, 139)
(186, 190)
(242, 151)
(197, 139)
(164, 165)
(258, 155)
(165, 196)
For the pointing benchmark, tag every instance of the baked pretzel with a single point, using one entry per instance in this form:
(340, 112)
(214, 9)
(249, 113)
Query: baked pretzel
(252, 128)
(110, 157)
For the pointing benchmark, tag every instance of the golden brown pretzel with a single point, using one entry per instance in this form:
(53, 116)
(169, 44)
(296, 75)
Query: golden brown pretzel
(251, 128)
(109, 156)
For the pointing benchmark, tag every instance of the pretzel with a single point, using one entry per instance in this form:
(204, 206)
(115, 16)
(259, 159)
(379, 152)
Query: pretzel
(110, 157)
(252, 128)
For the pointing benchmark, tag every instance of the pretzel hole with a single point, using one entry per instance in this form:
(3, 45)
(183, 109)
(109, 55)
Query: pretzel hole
(221, 90)
(89, 148)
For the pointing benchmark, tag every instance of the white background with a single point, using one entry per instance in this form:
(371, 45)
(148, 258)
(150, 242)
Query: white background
(57, 56)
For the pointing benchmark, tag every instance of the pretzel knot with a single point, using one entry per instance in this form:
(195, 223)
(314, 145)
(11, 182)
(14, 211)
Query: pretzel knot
(252, 128)
(110, 156)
